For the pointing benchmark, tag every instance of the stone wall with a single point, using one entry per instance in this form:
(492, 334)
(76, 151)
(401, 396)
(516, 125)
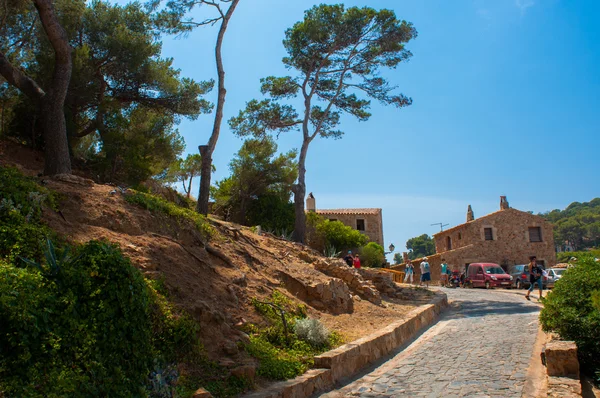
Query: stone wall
(510, 244)
(435, 265)
(373, 223)
(338, 269)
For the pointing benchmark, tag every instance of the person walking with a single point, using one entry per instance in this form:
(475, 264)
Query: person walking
(356, 262)
(444, 273)
(425, 272)
(535, 276)
(349, 259)
(409, 271)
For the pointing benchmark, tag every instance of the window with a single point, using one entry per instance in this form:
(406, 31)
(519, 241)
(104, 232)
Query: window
(459, 236)
(360, 224)
(449, 243)
(535, 234)
(332, 219)
(489, 234)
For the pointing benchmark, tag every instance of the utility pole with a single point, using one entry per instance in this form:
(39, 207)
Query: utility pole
(441, 225)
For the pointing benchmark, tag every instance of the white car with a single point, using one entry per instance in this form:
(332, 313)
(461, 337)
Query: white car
(554, 274)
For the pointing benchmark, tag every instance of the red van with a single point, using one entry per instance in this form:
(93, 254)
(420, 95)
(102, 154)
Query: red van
(488, 275)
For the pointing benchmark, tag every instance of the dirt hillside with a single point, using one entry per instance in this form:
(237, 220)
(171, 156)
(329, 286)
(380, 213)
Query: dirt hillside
(213, 281)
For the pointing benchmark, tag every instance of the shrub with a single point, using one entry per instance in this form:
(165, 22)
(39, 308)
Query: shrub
(91, 327)
(322, 233)
(283, 356)
(157, 204)
(565, 257)
(372, 255)
(21, 233)
(569, 310)
(312, 331)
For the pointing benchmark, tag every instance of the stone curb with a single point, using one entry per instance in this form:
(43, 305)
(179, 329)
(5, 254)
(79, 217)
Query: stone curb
(347, 360)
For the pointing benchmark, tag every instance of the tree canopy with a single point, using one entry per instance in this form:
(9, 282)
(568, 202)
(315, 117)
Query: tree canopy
(420, 246)
(258, 190)
(578, 225)
(335, 55)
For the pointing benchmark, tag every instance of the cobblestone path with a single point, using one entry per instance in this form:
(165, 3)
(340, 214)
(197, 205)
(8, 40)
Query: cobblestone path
(481, 347)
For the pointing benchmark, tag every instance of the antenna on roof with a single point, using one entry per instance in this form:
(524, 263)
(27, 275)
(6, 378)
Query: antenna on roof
(441, 225)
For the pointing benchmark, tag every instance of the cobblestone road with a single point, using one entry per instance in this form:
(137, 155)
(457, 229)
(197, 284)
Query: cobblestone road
(480, 348)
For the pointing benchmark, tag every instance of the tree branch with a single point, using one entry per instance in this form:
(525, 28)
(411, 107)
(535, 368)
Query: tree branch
(20, 80)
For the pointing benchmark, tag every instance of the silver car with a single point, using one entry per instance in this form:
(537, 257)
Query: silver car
(554, 274)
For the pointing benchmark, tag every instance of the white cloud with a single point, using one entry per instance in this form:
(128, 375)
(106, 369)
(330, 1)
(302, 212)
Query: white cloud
(523, 5)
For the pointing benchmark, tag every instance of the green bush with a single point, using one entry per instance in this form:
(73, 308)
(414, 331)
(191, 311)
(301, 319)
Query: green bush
(372, 255)
(157, 204)
(21, 233)
(565, 257)
(569, 310)
(284, 355)
(93, 328)
(323, 233)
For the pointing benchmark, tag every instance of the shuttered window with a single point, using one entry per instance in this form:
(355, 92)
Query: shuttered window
(535, 234)
(489, 235)
(360, 224)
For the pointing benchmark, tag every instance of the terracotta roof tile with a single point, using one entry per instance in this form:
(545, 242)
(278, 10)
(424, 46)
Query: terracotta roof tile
(348, 211)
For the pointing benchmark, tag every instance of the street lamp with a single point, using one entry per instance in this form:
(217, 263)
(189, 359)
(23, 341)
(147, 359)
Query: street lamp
(391, 247)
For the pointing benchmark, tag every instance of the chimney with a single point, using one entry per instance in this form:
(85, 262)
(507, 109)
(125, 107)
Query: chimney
(311, 204)
(503, 203)
(470, 215)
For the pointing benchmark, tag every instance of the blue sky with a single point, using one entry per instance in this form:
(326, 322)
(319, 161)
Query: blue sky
(505, 102)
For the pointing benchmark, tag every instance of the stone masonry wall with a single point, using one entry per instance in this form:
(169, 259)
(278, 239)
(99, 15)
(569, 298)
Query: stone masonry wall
(510, 245)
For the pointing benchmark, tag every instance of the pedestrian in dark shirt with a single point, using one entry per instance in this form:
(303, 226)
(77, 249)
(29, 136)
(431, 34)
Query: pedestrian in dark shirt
(349, 259)
(535, 276)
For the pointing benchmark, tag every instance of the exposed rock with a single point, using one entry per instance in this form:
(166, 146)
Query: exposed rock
(73, 179)
(247, 372)
(330, 294)
(202, 393)
(230, 348)
(352, 277)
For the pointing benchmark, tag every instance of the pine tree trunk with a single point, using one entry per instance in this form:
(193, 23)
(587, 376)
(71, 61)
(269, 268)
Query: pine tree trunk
(207, 150)
(56, 145)
(299, 195)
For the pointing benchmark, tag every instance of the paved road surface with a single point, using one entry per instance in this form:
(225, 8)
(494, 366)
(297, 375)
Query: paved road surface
(480, 348)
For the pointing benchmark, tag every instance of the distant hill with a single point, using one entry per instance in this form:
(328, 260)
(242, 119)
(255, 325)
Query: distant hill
(578, 225)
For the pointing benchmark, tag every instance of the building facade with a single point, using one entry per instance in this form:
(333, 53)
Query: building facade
(367, 221)
(506, 237)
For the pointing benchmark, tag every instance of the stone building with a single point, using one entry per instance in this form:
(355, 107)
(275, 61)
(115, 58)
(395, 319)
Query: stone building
(505, 237)
(366, 221)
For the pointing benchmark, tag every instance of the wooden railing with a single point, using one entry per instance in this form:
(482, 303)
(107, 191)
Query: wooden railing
(397, 276)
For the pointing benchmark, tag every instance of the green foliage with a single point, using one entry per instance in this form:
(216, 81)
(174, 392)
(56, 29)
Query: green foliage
(157, 204)
(312, 331)
(184, 171)
(571, 310)
(258, 190)
(282, 356)
(372, 255)
(398, 259)
(577, 225)
(565, 257)
(99, 328)
(420, 246)
(21, 233)
(124, 99)
(322, 233)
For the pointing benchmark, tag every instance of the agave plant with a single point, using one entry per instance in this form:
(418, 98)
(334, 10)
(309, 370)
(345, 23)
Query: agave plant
(53, 263)
(330, 251)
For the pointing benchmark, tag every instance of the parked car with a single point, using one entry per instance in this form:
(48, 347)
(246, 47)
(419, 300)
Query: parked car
(488, 275)
(554, 274)
(520, 275)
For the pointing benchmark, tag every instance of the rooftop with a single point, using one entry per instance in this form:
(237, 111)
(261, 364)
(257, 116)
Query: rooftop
(349, 211)
(483, 217)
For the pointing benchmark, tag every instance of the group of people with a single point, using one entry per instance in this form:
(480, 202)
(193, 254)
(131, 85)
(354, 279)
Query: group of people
(425, 268)
(352, 260)
(425, 272)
